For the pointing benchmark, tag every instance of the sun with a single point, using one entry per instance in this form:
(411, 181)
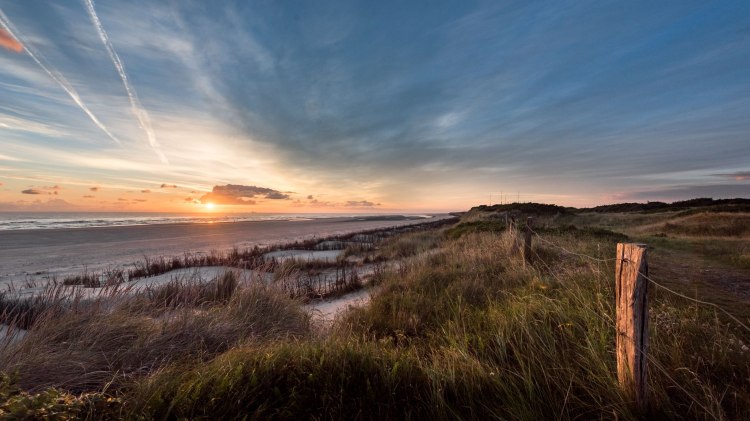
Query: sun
(209, 206)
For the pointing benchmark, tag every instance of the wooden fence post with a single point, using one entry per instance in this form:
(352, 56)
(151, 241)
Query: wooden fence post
(632, 321)
(527, 240)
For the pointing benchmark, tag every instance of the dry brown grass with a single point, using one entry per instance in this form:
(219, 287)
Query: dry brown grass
(461, 329)
(722, 225)
(110, 340)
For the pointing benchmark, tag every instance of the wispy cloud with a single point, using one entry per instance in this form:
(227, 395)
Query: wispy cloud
(361, 204)
(683, 192)
(738, 175)
(7, 41)
(53, 73)
(49, 190)
(135, 103)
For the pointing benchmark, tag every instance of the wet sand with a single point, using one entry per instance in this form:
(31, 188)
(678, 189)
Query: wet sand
(44, 253)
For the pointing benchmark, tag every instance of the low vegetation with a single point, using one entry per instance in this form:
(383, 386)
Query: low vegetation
(459, 328)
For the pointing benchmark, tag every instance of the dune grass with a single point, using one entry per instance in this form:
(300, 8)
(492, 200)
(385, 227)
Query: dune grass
(467, 332)
(460, 329)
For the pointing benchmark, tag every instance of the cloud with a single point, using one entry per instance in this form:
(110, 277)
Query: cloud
(309, 197)
(684, 192)
(37, 205)
(235, 194)
(121, 199)
(146, 191)
(361, 204)
(168, 186)
(140, 113)
(8, 27)
(50, 190)
(88, 196)
(738, 176)
(140, 200)
(94, 188)
(277, 196)
(8, 42)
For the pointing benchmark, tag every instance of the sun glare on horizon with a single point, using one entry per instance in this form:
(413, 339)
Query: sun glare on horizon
(210, 206)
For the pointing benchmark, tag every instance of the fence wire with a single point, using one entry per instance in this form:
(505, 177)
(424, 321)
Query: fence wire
(611, 323)
(660, 285)
(608, 320)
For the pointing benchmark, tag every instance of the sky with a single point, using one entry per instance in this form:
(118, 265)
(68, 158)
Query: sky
(344, 106)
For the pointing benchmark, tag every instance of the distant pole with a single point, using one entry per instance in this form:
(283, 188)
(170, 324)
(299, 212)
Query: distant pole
(527, 240)
(631, 288)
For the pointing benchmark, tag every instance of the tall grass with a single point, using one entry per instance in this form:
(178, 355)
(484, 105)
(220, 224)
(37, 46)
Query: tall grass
(460, 329)
(469, 332)
(108, 341)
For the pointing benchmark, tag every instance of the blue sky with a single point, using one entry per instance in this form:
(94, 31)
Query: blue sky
(369, 106)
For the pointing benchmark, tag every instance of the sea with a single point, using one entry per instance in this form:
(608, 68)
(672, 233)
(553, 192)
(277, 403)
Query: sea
(52, 220)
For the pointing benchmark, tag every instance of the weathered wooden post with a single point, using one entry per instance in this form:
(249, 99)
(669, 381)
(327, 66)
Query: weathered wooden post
(527, 240)
(631, 288)
(514, 245)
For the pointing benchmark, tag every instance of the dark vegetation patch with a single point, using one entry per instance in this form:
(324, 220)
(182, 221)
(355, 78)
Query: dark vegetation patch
(464, 228)
(684, 205)
(538, 209)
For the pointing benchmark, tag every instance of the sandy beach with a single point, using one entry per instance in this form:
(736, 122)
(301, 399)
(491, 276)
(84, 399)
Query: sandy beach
(45, 253)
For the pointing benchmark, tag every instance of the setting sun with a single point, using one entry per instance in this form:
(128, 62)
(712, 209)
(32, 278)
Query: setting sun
(209, 206)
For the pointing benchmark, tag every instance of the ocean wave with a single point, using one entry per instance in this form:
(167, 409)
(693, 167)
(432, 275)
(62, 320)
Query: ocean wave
(41, 221)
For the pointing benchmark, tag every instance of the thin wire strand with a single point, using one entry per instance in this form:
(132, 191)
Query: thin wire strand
(733, 317)
(696, 300)
(565, 285)
(607, 319)
(596, 259)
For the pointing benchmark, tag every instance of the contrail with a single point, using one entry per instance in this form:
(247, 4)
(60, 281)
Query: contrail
(135, 103)
(53, 73)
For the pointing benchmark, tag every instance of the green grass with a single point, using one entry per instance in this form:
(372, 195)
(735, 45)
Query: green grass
(464, 228)
(460, 329)
(468, 333)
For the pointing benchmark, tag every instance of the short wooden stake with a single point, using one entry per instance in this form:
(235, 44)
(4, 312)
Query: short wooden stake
(631, 288)
(527, 240)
